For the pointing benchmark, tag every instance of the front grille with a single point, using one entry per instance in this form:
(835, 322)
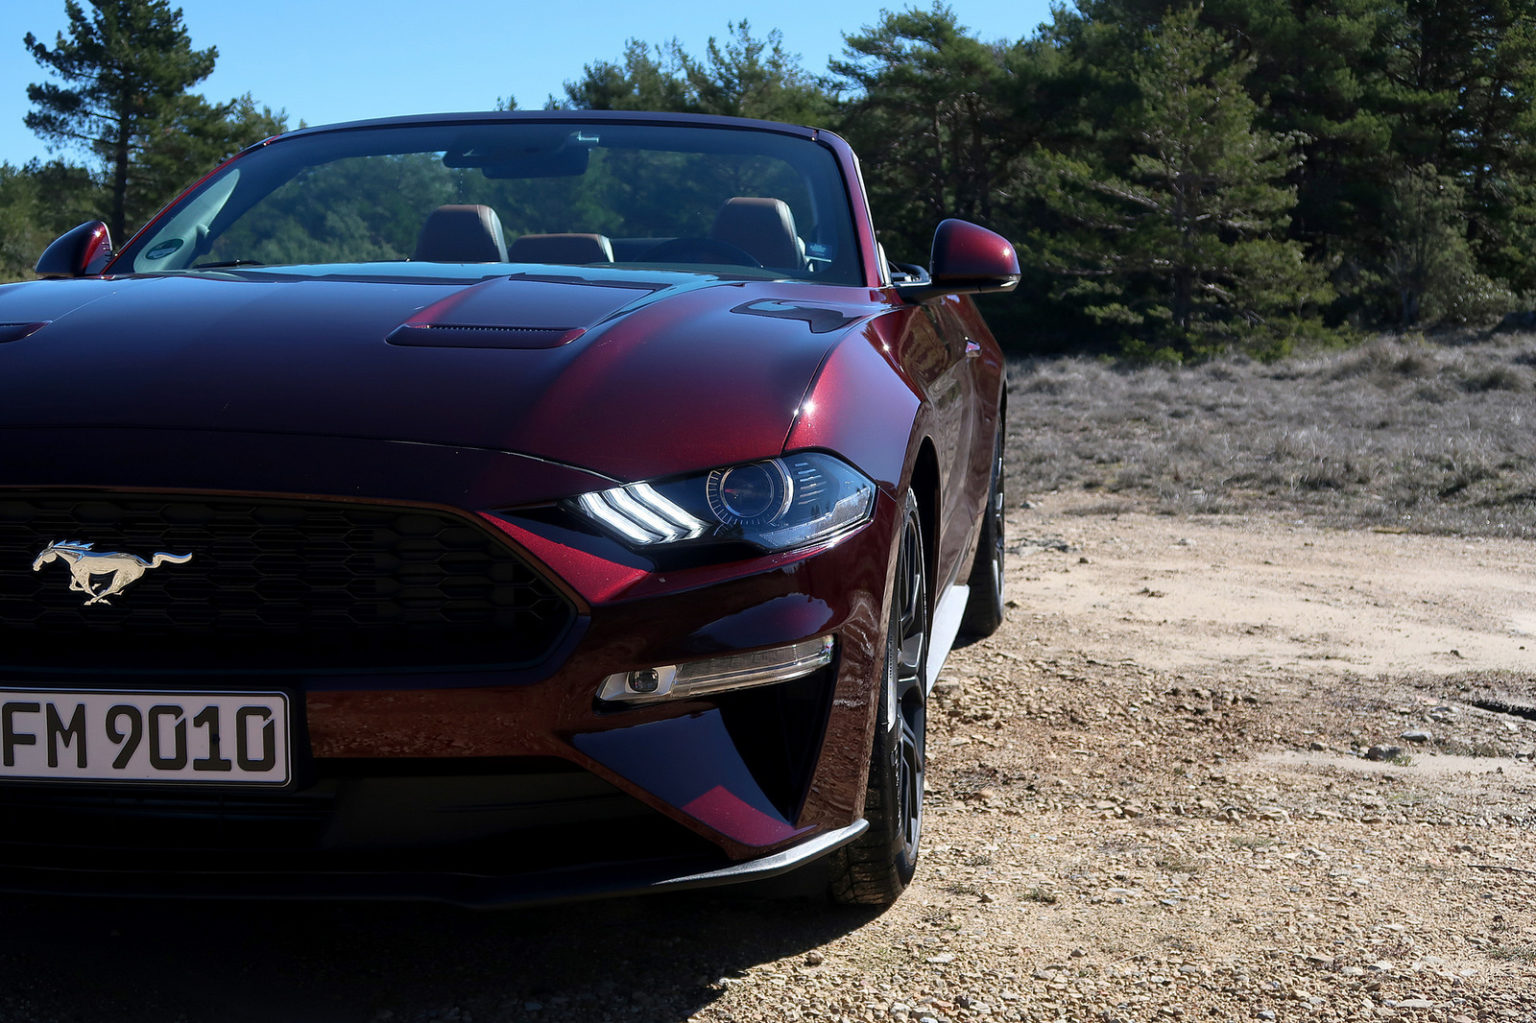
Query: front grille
(271, 584)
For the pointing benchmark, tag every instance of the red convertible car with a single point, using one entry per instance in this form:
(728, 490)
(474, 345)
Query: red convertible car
(491, 508)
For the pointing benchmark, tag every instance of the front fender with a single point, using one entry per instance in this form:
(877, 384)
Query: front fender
(862, 407)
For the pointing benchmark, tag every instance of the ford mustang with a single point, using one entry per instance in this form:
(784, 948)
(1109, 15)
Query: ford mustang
(491, 508)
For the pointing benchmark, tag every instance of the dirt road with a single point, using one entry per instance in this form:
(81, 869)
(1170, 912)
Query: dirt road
(1149, 799)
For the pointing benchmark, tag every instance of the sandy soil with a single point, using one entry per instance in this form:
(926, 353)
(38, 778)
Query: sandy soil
(1229, 595)
(1153, 793)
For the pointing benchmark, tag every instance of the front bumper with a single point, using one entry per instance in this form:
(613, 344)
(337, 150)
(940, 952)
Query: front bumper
(538, 833)
(678, 794)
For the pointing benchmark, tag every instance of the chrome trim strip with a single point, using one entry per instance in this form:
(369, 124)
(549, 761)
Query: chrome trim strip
(770, 866)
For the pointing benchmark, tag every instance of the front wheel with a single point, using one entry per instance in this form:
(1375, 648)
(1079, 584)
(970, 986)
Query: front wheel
(877, 867)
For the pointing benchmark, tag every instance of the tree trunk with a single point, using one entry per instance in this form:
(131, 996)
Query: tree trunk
(119, 225)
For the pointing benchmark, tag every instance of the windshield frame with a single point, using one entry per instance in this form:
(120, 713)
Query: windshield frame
(850, 205)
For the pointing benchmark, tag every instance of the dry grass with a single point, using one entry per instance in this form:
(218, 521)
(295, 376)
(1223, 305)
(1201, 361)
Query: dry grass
(1426, 436)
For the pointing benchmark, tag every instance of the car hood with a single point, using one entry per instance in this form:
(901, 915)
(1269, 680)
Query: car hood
(631, 375)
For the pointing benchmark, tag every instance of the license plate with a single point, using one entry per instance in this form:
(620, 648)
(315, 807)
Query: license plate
(181, 737)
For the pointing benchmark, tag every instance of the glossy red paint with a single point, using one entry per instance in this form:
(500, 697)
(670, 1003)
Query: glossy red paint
(238, 355)
(269, 383)
(843, 588)
(77, 252)
(964, 252)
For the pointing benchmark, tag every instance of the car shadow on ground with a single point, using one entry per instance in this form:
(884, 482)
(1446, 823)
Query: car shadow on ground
(658, 958)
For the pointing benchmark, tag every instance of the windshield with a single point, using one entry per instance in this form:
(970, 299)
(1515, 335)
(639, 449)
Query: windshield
(439, 196)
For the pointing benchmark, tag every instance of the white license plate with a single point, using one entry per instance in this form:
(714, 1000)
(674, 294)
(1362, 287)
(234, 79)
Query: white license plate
(182, 737)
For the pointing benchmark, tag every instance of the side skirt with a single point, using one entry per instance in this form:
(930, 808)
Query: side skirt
(946, 626)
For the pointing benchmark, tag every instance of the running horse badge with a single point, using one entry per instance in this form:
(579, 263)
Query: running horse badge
(85, 564)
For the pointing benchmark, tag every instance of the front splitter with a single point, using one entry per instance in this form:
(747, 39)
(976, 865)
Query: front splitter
(470, 890)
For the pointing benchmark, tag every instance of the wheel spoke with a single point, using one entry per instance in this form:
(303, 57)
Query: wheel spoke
(908, 694)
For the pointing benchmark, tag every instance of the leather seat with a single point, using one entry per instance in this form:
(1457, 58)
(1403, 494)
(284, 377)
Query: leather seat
(561, 248)
(461, 233)
(765, 228)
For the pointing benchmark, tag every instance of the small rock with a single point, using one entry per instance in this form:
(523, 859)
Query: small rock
(942, 958)
(1414, 1003)
(1316, 747)
(1264, 1014)
(1383, 753)
(814, 959)
(1417, 735)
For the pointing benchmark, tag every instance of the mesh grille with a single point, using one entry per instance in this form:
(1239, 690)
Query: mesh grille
(271, 583)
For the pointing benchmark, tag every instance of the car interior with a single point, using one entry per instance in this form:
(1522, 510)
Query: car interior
(748, 230)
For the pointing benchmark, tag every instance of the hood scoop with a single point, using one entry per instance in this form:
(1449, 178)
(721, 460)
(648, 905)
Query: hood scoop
(515, 313)
(464, 335)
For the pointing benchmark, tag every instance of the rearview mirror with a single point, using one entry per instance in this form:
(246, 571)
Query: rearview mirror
(966, 260)
(78, 252)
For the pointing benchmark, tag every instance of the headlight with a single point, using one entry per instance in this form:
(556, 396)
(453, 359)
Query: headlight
(777, 504)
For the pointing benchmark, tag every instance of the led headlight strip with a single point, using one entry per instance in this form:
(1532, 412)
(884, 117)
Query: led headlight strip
(778, 504)
(639, 513)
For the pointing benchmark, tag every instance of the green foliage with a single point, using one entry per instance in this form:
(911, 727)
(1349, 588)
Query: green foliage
(928, 113)
(740, 77)
(20, 237)
(191, 139)
(1180, 179)
(1174, 221)
(1426, 262)
(124, 69)
(38, 203)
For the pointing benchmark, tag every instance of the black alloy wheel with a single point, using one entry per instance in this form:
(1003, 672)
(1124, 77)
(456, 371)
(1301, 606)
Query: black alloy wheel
(876, 868)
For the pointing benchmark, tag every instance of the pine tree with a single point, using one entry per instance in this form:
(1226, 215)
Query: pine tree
(741, 77)
(930, 116)
(191, 138)
(1174, 219)
(124, 65)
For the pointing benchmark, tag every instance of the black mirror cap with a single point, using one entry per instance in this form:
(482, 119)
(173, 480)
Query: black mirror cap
(967, 260)
(78, 252)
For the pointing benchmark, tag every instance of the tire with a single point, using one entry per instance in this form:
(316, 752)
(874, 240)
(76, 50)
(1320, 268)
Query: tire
(984, 608)
(876, 868)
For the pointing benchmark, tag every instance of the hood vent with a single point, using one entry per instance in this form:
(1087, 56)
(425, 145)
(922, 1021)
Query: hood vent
(454, 335)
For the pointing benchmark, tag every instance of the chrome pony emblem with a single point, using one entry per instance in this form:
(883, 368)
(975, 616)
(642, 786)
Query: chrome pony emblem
(85, 563)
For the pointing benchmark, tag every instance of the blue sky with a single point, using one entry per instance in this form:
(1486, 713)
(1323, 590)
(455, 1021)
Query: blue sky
(340, 60)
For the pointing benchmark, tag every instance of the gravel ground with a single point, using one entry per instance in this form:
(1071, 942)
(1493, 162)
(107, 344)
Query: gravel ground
(1156, 794)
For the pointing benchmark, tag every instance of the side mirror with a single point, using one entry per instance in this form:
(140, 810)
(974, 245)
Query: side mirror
(966, 260)
(77, 252)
